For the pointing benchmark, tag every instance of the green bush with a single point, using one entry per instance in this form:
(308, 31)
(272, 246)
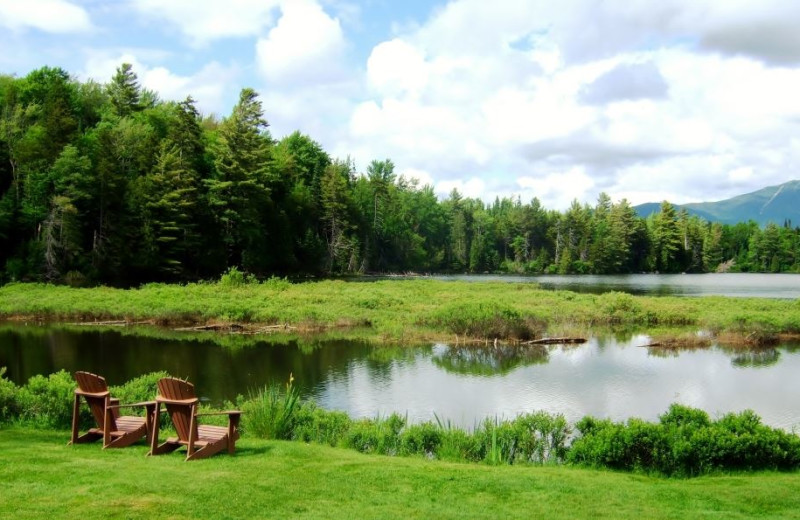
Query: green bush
(685, 443)
(379, 435)
(47, 401)
(618, 307)
(9, 402)
(139, 389)
(313, 424)
(420, 439)
(233, 277)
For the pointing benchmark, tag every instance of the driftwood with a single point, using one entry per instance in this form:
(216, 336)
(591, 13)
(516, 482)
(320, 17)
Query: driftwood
(237, 328)
(119, 323)
(556, 341)
(654, 345)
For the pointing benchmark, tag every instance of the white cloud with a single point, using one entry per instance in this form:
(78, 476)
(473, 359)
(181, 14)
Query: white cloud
(473, 188)
(305, 47)
(533, 100)
(422, 177)
(52, 16)
(208, 86)
(203, 21)
(559, 189)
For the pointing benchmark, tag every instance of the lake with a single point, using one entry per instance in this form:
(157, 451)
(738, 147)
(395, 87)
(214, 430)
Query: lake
(610, 376)
(785, 286)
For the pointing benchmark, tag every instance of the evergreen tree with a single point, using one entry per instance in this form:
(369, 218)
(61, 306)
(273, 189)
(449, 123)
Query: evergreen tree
(124, 91)
(239, 190)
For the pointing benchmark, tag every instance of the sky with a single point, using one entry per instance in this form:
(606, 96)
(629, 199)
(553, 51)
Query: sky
(683, 100)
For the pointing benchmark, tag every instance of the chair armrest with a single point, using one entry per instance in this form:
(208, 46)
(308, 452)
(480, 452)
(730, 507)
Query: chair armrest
(177, 401)
(229, 412)
(142, 404)
(78, 391)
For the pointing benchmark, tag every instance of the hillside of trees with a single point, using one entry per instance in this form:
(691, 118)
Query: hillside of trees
(109, 184)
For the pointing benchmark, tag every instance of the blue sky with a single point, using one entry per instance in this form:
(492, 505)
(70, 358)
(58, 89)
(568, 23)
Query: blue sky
(683, 100)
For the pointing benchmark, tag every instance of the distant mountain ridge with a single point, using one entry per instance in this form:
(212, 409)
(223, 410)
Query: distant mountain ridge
(771, 204)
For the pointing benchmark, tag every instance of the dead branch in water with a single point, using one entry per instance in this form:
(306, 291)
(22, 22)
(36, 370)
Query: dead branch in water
(556, 341)
(118, 323)
(237, 328)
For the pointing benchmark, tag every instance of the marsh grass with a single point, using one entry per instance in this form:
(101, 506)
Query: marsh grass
(398, 310)
(270, 412)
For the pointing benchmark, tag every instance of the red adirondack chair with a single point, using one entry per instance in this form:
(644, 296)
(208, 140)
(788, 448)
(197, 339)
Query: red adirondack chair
(116, 431)
(181, 404)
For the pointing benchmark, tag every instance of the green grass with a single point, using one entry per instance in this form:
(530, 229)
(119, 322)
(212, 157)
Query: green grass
(398, 310)
(44, 478)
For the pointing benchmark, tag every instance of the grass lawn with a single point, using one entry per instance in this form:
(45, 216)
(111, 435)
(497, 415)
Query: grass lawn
(42, 477)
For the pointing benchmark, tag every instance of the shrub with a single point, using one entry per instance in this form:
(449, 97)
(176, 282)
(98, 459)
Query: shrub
(379, 435)
(142, 388)
(233, 277)
(618, 307)
(685, 443)
(420, 439)
(313, 424)
(9, 403)
(47, 401)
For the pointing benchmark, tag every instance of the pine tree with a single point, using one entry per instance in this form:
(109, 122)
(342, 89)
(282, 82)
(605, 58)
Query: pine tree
(124, 91)
(239, 190)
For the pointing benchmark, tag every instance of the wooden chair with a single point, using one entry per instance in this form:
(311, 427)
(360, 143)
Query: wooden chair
(115, 430)
(181, 404)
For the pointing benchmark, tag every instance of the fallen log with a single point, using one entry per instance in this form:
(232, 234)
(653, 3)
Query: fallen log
(556, 341)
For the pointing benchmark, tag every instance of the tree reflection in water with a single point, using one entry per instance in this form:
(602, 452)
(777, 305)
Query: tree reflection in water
(486, 360)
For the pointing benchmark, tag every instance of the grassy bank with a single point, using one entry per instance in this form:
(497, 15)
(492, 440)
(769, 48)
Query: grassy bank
(397, 310)
(42, 477)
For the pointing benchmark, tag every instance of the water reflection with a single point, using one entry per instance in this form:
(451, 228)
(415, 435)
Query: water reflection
(606, 377)
(756, 358)
(486, 360)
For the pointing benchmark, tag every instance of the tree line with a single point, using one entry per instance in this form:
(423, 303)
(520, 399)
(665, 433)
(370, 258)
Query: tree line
(106, 183)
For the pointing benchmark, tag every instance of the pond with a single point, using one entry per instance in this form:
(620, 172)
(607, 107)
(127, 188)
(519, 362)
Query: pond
(610, 376)
(757, 285)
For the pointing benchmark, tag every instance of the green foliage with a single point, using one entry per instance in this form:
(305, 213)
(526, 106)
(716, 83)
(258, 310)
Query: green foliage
(111, 182)
(685, 443)
(619, 307)
(487, 321)
(314, 424)
(420, 439)
(379, 435)
(537, 438)
(139, 389)
(9, 401)
(47, 401)
(271, 412)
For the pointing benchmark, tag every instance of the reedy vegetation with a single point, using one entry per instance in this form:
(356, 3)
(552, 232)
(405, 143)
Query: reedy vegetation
(685, 442)
(398, 310)
(108, 184)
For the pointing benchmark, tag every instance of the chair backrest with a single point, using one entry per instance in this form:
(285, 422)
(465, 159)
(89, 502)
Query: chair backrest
(89, 384)
(180, 399)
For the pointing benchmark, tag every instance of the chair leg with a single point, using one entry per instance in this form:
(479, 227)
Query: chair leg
(76, 410)
(106, 425)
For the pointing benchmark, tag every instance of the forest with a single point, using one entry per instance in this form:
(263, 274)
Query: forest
(108, 184)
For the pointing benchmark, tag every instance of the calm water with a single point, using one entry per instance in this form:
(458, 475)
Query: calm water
(607, 377)
(728, 284)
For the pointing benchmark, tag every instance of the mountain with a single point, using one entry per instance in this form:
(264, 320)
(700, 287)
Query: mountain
(771, 204)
